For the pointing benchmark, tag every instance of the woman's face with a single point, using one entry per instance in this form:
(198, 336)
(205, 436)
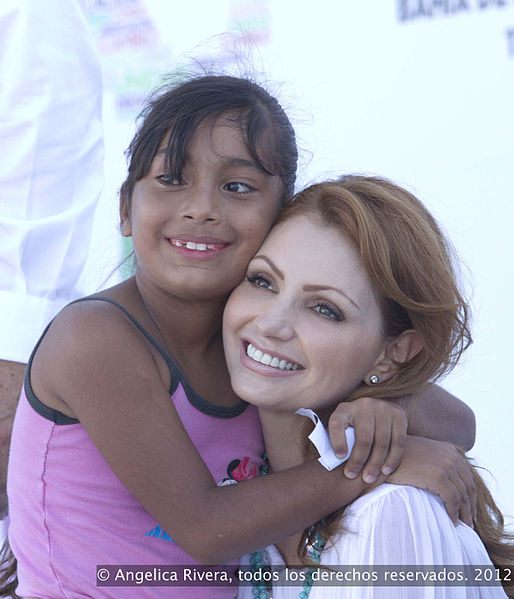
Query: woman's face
(193, 239)
(304, 327)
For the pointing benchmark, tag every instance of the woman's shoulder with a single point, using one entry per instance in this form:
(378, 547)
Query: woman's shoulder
(393, 496)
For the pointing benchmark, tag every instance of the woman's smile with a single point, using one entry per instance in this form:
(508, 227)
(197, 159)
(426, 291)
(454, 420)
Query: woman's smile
(305, 325)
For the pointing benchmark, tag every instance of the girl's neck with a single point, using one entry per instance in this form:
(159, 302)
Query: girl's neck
(183, 324)
(189, 331)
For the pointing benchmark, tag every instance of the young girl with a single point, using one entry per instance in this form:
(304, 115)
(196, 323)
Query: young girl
(104, 468)
(366, 304)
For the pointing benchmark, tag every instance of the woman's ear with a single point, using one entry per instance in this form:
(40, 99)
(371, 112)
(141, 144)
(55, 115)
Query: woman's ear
(125, 224)
(399, 350)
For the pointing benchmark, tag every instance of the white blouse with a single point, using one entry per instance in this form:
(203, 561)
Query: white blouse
(397, 526)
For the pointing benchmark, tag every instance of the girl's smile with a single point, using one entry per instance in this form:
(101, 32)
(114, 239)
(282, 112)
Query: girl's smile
(194, 238)
(199, 248)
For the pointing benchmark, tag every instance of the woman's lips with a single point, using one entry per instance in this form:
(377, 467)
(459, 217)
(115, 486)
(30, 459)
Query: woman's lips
(269, 364)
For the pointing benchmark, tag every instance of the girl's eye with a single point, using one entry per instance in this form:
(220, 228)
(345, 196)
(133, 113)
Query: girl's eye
(258, 280)
(328, 311)
(167, 180)
(238, 187)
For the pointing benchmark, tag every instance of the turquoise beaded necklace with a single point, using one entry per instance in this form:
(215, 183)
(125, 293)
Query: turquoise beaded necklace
(259, 560)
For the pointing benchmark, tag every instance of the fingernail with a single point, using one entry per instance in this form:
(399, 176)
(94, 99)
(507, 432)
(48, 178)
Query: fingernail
(369, 478)
(351, 474)
(340, 455)
(387, 470)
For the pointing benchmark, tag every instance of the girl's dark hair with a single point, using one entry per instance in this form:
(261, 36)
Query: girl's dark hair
(177, 112)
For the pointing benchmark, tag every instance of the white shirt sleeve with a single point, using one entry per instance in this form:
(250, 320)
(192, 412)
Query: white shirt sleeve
(398, 525)
(393, 526)
(51, 170)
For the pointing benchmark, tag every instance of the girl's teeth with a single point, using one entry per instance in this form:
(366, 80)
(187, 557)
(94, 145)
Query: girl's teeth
(267, 360)
(191, 245)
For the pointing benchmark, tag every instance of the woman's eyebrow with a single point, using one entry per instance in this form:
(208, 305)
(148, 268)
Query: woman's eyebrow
(273, 266)
(326, 287)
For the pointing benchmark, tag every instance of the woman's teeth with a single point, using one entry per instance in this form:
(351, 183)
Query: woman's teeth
(268, 360)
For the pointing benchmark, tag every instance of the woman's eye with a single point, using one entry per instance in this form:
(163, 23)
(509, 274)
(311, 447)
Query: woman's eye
(328, 311)
(259, 281)
(238, 187)
(167, 180)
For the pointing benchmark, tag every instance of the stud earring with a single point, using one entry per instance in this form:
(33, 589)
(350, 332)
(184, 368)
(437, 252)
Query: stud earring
(373, 379)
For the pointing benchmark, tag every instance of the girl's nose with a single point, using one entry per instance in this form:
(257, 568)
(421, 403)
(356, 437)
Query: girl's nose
(201, 205)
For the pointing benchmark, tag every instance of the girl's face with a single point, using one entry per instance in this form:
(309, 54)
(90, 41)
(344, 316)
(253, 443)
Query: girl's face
(304, 327)
(194, 239)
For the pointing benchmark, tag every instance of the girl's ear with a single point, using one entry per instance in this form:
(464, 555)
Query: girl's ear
(397, 351)
(125, 224)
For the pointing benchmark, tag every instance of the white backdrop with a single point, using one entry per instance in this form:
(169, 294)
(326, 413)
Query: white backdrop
(419, 91)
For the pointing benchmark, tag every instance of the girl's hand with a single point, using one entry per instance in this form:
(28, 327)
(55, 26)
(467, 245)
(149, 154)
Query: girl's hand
(438, 467)
(380, 435)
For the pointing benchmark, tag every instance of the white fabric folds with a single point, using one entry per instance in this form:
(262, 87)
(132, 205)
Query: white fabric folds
(320, 439)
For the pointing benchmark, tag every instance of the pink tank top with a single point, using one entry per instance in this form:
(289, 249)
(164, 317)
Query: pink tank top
(69, 512)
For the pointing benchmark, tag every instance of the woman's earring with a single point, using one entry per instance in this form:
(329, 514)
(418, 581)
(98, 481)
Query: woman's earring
(373, 379)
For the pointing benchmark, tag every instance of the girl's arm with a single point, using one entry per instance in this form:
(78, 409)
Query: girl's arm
(284, 436)
(439, 415)
(101, 370)
(381, 432)
(425, 463)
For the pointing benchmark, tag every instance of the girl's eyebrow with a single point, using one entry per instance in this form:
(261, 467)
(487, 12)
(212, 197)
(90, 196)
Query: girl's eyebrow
(235, 161)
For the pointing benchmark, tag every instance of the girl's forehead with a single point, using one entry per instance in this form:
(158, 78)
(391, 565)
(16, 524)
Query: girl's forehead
(214, 140)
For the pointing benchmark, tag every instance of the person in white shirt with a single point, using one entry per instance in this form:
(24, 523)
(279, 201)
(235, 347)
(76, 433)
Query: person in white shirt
(353, 295)
(51, 172)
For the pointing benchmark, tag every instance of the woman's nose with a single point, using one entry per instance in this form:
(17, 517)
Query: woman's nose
(276, 322)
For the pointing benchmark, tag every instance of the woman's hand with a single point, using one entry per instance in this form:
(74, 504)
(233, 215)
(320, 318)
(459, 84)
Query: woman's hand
(380, 435)
(438, 467)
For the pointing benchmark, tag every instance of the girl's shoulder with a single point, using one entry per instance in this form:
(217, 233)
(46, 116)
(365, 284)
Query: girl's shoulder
(98, 322)
(93, 346)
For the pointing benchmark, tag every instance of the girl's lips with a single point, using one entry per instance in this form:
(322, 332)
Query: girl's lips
(196, 247)
(263, 369)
